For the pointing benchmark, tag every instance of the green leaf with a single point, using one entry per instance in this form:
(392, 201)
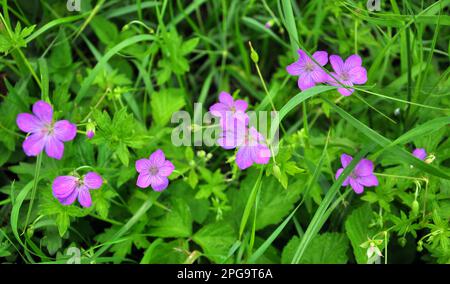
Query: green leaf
(357, 229)
(189, 46)
(105, 30)
(216, 240)
(328, 248)
(174, 224)
(164, 103)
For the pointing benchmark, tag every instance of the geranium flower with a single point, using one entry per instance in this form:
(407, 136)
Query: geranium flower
(308, 71)
(44, 133)
(154, 171)
(228, 109)
(68, 188)
(361, 176)
(348, 73)
(420, 153)
(254, 150)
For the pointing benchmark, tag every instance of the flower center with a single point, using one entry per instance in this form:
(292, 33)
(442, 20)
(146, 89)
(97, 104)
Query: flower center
(48, 129)
(153, 170)
(309, 67)
(345, 76)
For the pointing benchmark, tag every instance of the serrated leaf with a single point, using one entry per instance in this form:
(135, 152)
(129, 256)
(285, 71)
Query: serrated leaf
(328, 248)
(357, 230)
(216, 240)
(165, 103)
(174, 224)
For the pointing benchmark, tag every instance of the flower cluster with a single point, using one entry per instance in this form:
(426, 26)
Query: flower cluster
(237, 134)
(45, 133)
(348, 73)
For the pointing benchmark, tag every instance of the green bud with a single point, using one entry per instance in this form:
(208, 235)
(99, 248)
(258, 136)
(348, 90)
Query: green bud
(415, 208)
(276, 171)
(402, 241)
(419, 246)
(253, 54)
(201, 154)
(30, 232)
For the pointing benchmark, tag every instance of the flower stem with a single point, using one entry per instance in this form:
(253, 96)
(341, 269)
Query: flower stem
(33, 192)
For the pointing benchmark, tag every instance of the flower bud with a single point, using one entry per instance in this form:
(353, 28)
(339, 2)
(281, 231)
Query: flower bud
(276, 171)
(90, 129)
(415, 208)
(201, 154)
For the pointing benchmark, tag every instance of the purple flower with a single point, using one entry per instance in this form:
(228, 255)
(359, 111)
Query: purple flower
(348, 73)
(228, 109)
(67, 188)
(252, 148)
(154, 171)
(253, 151)
(420, 153)
(308, 71)
(90, 134)
(44, 133)
(361, 176)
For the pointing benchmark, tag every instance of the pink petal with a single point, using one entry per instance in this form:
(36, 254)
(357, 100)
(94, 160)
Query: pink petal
(262, 155)
(353, 61)
(219, 109)
(227, 142)
(34, 144)
(338, 174)
(295, 68)
(54, 148)
(69, 199)
(345, 160)
(305, 82)
(244, 157)
(358, 75)
(159, 183)
(345, 92)
(157, 158)
(420, 153)
(358, 188)
(319, 76)
(143, 180)
(28, 122)
(368, 181)
(364, 168)
(84, 197)
(43, 111)
(302, 56)
(65, 131)
(93, 180)
(321, 57)
(256, 136)
(143, 165)
(226, 99)
(63, 186)
(337, 64)
(167, 169)
(240, 105)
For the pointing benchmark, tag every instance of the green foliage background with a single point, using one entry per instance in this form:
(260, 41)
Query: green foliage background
(129, 65)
